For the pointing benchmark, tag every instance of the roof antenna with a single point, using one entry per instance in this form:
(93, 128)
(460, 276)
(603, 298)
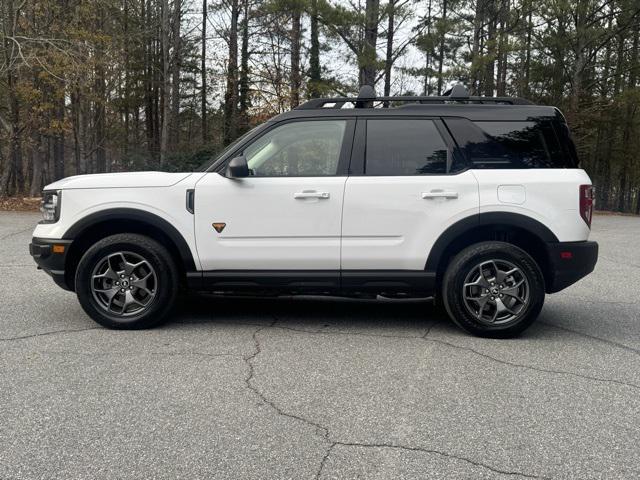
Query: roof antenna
(457, 91)
(366, 93)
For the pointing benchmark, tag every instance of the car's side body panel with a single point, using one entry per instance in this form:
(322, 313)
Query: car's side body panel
(550, 196)
(166, 203)
(269, 223)
(392, 222)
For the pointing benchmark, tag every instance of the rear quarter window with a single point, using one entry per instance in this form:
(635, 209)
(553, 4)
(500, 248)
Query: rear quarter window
(513, 145)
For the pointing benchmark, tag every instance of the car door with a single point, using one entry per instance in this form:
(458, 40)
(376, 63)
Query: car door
(406, 194)
(287, 214)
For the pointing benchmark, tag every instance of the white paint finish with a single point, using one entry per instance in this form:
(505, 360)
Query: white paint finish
(119, 180)
(267, 226)
(551, 198)
(295, 222)
(387, 224)
(167, 203)
(512, 194)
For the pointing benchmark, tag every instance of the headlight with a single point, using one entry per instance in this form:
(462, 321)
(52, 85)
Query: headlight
(50, 206)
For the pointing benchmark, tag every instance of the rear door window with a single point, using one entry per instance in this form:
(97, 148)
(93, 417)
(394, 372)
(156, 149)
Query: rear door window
(404, 147)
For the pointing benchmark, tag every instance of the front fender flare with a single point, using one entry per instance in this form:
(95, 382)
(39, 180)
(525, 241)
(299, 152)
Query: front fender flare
(138, 216)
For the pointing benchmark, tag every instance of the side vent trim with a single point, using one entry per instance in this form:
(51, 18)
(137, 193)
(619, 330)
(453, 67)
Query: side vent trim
(191, 197)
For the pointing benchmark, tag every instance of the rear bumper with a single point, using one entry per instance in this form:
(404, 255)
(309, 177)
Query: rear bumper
(52, 262)
(569, 262)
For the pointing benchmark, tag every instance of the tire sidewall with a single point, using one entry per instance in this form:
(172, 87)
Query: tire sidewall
(151, 251)
(469, 258)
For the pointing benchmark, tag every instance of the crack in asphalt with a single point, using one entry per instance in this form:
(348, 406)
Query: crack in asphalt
(249, 383)
(593, 337)
(142, 354)
(617, 262)
(44, 334)
(325, 433)
(12, 234)
(530, 367)
(461, 347)
(607, 302)
(421, 450)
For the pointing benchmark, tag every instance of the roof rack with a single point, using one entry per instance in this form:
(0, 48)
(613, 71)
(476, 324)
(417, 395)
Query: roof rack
(367, 96)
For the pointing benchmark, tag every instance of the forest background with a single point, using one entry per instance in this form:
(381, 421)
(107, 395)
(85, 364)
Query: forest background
(92, 86)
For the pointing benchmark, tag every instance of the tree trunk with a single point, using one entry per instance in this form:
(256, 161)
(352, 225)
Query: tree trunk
(389, 55)
(525, 89)
(368, 58)
(231, 94)
(36, 178)
(442, 42)
(203, 76)
(149, 114)
(14, 164)
(490, 60)
(166, 85)
(100, 101)
(503, 42)
(175, 66)
(294, 100)
(58, 140)
(314, 54)
(243, 119)
(427, 60)
(476, 80)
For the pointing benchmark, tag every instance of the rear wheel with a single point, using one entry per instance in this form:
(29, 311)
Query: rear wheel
(493, 289)
(127, 281)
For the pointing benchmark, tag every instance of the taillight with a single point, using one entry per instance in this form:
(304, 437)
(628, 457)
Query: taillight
(586, 203)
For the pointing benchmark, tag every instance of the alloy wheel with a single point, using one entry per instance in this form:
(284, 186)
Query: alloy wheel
(124, 284)
(496, 292)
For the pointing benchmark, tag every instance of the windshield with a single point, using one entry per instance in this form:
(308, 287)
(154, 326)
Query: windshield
(206, 165)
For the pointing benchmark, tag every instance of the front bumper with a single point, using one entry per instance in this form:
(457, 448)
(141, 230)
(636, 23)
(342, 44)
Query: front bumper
(51, 260)
(569, 262)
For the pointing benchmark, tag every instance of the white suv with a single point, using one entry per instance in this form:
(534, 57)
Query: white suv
(476, 201)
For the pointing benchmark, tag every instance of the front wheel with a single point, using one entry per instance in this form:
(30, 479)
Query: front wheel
(127, 281)
(493, 289)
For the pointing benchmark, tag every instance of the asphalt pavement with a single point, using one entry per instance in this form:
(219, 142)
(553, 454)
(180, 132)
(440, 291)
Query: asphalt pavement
(320, 388)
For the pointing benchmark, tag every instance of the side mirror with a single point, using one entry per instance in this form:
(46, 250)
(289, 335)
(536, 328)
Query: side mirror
(237, 168)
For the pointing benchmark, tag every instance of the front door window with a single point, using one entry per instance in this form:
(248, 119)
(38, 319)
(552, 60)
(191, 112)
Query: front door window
(298, 149)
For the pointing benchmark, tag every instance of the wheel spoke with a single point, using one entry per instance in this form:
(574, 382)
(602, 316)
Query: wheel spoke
(480, 282)
(109, 273)
(108, 290)
(514, 293)
(493, 317)
(493, 279)
(129, 300)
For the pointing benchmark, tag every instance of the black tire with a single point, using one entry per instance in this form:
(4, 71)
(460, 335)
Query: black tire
(473, 315)
(157, 298)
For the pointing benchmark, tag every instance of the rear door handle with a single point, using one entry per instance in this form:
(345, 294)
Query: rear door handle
(439, 194)
(311, 194)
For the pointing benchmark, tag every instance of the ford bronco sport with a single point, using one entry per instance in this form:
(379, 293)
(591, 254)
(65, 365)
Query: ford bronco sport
(476, 201)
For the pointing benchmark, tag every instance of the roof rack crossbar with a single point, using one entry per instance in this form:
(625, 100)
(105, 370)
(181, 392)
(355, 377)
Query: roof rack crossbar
(341, 101)
(367, 96)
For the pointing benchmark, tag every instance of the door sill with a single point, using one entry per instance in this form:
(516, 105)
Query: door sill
(322, 282)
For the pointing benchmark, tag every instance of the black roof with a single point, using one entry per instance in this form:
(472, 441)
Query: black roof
(455, 103)
(472, 112)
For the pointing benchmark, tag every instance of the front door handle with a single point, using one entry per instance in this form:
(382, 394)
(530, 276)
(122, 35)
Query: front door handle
(439, 194)
(311, 194)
